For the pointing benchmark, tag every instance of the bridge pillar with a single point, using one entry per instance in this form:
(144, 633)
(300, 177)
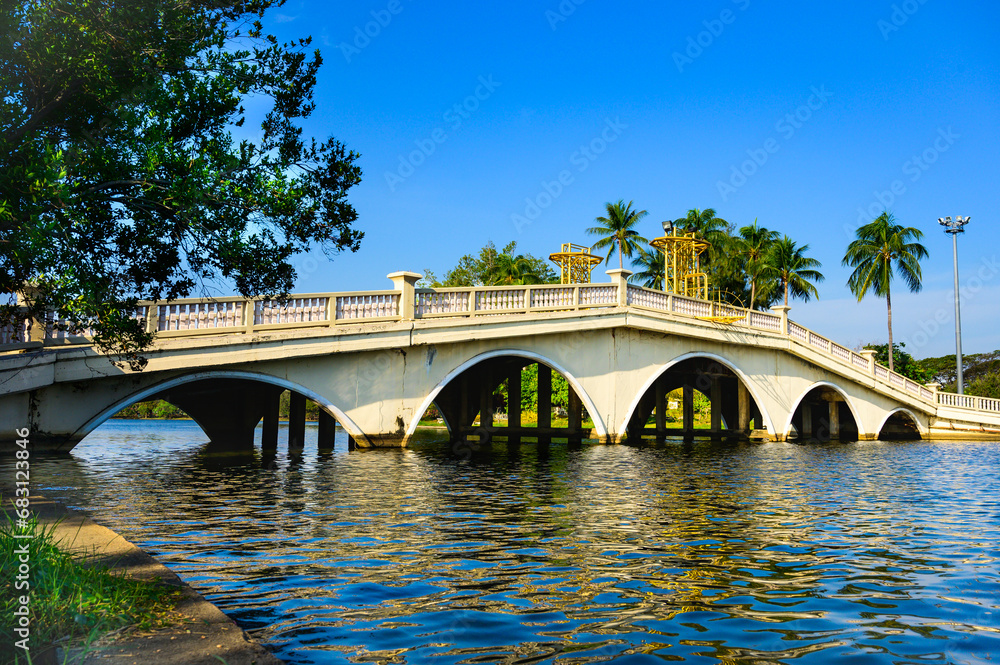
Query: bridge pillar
(807, 422)
(514, 396)
(269, 433)
(688, 407)
(743, 408)
(296, 421)
(327, 431)
(227, 410)
(834, 419)
(544, 396)
(716, 406)
(574, 413)
(661, 408)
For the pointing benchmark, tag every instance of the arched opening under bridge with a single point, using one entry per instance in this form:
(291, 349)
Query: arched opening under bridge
(229, 408)
(512, 397)
(823, 414)
(900, 425)
(697, 396)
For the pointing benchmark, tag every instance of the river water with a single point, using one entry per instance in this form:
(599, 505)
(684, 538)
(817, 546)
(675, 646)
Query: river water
(869, 552)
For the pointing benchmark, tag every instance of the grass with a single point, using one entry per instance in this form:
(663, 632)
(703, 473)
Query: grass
(72, 602)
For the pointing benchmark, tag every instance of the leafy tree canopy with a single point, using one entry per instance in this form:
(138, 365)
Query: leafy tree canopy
(495, 268)
(975, 366)
(904, 363)
(120, 176)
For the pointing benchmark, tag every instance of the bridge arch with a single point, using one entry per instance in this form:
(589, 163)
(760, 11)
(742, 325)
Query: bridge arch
(574, 383)
(832, 387)
(752, 388)
(922, 430)
(162, 386)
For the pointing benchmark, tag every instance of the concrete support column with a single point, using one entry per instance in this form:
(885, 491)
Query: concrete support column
(688, 406)
(486, 397)
(660, 407)
(296, 421)
(716, 399)
(574, 410)
(514, 397)
(464, 412)
(327, 431)
(807, 421)
(743, 397)
(544, 396)
(834, 420)
(269, 433)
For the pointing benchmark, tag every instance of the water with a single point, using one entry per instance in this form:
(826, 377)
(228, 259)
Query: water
(868, 552)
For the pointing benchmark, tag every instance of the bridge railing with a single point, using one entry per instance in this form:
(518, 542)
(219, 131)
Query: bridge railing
(213, 316)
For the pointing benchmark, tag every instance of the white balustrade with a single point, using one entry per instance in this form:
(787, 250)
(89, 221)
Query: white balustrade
(552, 298)
(881, 372)
(503, 299)
(692, 307)
(15, 332)
(644, 297)
(430, 303)
(859, 360)
(295, 310)
(367, 306)
(841, 352)
(598, 295)
(763, 321)
(798, 332)
(200, 315)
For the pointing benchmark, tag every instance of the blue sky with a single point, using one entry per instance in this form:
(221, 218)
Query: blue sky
(809, 118)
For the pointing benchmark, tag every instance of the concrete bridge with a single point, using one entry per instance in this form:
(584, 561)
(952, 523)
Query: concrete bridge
(375, 361)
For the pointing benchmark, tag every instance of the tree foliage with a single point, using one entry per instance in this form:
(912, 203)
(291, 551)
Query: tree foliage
(120, 175)
(494, 268)
(904, 363)
(787, 263)
(883, 249)
(617, 230)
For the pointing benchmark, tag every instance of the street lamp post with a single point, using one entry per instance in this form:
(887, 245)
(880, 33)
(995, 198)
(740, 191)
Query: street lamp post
(954, 228)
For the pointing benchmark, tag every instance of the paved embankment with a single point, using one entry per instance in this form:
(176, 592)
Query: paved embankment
(202, 634)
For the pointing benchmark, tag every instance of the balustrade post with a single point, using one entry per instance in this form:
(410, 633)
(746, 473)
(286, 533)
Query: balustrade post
(576, 297)
(619, 277)
(405, 283)
(152, 317)
(782, 310)
(36, 330)
(248, 314)
(869, 355)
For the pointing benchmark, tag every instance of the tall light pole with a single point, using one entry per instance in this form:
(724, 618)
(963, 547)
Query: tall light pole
(954, 228)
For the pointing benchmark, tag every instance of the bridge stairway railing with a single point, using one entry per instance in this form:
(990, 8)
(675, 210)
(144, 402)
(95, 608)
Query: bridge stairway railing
(214, 316)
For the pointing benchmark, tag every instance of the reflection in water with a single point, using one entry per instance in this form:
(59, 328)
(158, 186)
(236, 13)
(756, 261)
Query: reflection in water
(700, 552)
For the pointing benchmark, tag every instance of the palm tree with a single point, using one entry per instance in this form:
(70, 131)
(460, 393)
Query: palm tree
(752, 244)
(652, 267)
(705, 225)
(618, 230)
(883, 247)
(788, 264)
(508, 269)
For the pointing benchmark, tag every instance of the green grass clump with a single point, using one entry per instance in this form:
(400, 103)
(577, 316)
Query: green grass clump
(71, 601)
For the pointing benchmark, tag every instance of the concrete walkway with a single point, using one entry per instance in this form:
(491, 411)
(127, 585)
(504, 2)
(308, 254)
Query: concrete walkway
(203, 633)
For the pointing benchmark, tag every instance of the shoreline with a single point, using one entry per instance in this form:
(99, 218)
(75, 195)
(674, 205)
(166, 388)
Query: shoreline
(203, 633)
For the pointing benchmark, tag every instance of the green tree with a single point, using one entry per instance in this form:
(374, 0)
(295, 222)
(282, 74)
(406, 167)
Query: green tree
(705, 225)
(752, 245)
(987, 385)
(650, 267)
(495, 268)
(120, 177)
(787, 263)
(883, 248)
(904, 363)
(618, 230)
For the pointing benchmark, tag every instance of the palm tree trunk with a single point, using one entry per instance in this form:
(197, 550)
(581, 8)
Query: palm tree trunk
(786, 293)
(888, 304)
(753, 290)
(620, 264)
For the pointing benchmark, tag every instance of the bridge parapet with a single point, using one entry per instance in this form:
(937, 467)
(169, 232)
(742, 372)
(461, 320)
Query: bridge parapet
(192, 317)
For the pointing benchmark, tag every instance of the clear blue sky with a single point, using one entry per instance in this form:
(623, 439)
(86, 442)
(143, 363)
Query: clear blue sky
(840, 104)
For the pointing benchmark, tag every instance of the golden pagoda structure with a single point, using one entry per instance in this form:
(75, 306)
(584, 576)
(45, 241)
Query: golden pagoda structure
(575, 263)
(683, 275)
